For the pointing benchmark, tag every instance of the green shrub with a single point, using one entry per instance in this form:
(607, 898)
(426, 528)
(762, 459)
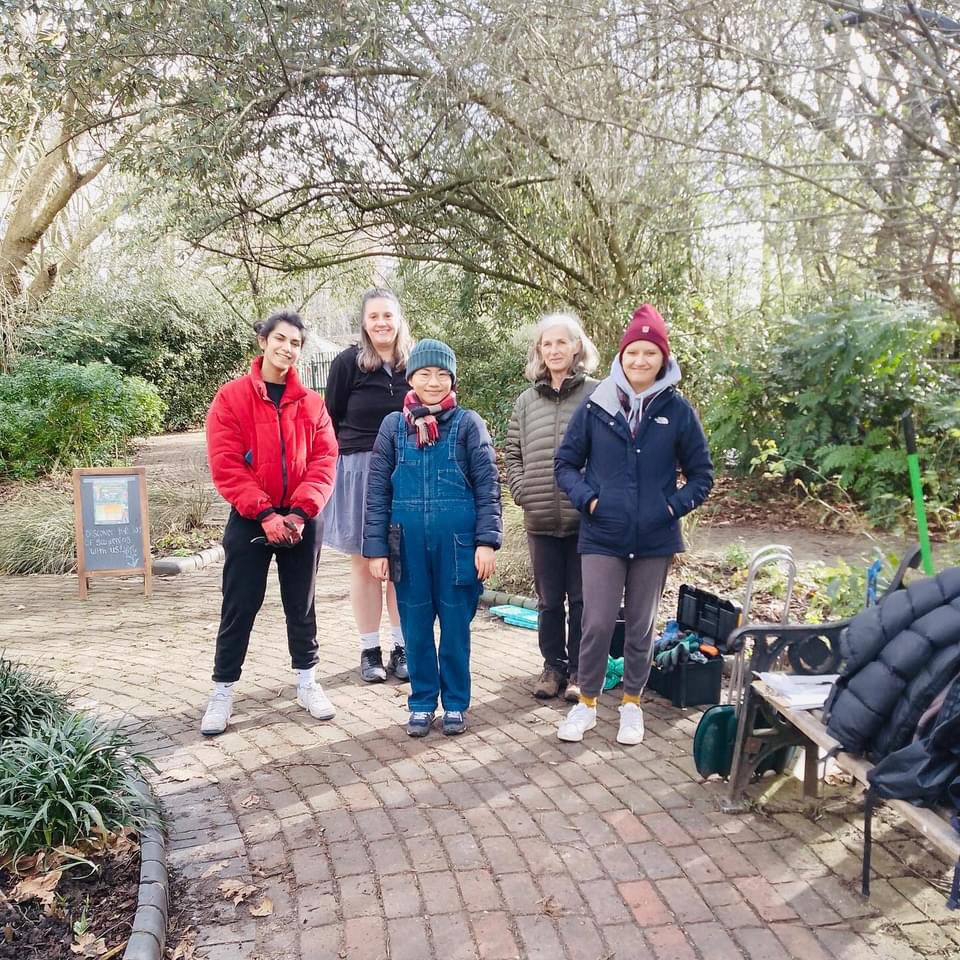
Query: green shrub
(824, 399)
(68, 778)
(160, 329)
(59, 416)
(25, 700)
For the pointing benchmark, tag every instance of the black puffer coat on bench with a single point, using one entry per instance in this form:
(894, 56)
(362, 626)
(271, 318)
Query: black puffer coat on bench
(898, 656)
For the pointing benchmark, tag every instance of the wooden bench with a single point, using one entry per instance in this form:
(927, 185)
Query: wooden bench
(767, 724)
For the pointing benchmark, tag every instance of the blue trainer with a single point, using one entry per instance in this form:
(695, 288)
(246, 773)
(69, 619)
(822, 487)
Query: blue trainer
(419, 723)
(454, 722)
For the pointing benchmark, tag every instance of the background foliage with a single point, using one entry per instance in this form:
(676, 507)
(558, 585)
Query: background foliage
(161, 328)
(821, 395)
(58, 416)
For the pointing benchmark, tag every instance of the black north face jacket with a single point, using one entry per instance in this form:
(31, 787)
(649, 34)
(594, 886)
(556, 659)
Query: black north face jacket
(926, 771)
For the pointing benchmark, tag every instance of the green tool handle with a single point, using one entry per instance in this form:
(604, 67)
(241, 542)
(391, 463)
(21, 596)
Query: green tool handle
(916, 485)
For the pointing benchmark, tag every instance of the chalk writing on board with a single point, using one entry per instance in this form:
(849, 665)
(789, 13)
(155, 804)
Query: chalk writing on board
(112, 523)
(111, 502)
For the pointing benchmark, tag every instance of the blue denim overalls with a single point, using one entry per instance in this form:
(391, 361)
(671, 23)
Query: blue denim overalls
(434, 508)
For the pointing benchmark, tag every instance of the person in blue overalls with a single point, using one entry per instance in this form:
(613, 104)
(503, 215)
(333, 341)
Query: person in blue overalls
(432, 524)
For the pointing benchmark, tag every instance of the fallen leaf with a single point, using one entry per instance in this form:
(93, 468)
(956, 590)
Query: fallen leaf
(263, 909)
(40, 888)
(181, 776)
(7, 933)
(236, 890)
(252, 801)
(551, 906)
(186, 947)
(213, 870)
(88, 945)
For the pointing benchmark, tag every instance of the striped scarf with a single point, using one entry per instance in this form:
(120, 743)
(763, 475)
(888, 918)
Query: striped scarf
(422, 416)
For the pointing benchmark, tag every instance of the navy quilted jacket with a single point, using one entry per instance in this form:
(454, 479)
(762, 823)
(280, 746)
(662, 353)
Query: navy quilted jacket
(634, 478)
(899, 655)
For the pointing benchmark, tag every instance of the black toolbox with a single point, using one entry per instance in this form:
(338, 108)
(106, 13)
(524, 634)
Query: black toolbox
(692, 684)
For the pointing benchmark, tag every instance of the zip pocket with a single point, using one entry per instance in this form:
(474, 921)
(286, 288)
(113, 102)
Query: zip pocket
(394, 540)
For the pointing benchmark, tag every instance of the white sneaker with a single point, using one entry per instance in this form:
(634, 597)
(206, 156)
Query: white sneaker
(631, 724)
(315, 701)
(218, 713)
(577, 722)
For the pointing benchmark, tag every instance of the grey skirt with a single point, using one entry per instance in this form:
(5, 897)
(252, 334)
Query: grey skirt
(344, 512)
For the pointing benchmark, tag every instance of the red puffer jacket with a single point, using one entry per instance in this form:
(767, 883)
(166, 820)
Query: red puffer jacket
(262, 458)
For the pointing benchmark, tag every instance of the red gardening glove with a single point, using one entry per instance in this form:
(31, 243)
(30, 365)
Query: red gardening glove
(294, 523)
(275, 529)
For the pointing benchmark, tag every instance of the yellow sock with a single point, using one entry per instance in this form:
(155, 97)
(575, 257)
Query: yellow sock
(590, 702)
(631, 698)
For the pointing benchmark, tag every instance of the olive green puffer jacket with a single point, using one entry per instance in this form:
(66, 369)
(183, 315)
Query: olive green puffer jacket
(540, 417)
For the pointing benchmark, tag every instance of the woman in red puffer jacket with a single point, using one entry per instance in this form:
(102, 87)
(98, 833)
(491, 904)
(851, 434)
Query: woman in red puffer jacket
(272, 454)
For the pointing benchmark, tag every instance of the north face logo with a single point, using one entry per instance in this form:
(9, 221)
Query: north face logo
(645, 329)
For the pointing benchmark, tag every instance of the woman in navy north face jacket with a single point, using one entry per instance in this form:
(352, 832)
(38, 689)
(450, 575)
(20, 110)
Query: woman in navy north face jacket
(618, 465)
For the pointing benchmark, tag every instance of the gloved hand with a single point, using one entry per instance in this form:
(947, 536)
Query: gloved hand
(276, 530)
(294, 523)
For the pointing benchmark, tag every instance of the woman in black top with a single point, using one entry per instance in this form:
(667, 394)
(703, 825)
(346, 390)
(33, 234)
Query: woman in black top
(366, 382)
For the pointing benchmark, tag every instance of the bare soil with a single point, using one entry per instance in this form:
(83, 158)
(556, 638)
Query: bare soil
(101, 903)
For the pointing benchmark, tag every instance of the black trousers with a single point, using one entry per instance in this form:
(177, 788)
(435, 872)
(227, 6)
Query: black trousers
(556, 578)
(245, 584)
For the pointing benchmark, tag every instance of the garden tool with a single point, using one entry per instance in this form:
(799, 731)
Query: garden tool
(916, 485)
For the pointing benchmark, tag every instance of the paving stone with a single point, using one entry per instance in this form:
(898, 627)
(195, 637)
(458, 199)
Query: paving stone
(453, 937)
(495, 938)
(648, 909)
(669, 943)
(407, 939)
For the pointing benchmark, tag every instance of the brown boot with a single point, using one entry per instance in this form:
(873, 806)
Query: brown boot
(572, 693)
(549, 684)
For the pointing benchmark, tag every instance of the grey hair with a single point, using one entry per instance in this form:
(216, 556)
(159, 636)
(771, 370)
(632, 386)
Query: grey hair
(586, 358)
(368, 359)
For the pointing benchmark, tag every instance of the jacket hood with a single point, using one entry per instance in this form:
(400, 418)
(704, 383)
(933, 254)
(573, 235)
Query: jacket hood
(605, 396)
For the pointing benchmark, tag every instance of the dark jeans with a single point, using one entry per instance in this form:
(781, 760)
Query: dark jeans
(556, 578)
(245, 584)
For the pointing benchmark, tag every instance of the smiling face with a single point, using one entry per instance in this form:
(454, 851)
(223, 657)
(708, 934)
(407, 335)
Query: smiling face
(641, 362)
(381, 321)
(431, 384)
(281, 350)
(558, 350)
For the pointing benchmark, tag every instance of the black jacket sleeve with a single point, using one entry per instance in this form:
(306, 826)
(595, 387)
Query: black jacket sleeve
(340, 380)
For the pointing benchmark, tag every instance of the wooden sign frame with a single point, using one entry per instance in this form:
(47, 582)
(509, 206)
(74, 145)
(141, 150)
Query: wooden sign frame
(84, 575)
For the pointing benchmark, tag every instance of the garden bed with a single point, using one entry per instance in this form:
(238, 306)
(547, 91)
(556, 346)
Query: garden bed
(89, 914)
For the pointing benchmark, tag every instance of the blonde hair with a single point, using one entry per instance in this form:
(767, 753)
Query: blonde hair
(368, 359)
(586, 358)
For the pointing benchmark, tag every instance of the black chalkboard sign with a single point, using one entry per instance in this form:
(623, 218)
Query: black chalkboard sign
(112, 524)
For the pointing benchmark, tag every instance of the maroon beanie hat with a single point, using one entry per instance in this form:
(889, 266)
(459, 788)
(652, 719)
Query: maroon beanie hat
(646, 324)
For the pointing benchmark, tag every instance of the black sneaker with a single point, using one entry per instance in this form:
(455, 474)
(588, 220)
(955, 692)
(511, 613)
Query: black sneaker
(454, 722)
(397, 664)
(371, 665)
(419, 723)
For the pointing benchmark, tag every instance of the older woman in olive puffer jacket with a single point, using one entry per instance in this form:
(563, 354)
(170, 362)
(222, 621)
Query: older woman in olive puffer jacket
(561, 356)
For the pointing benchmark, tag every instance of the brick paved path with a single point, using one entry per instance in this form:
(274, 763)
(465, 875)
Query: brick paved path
(502, 843)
